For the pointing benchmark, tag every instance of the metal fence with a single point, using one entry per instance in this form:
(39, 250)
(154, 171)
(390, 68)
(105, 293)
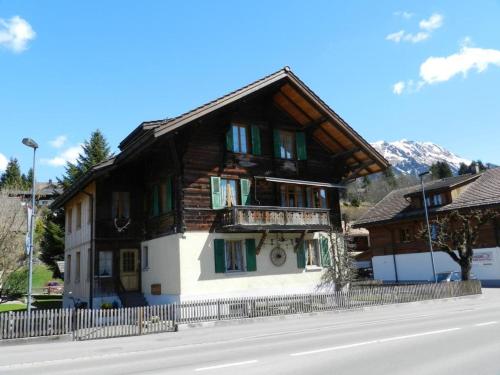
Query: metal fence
(94, 324)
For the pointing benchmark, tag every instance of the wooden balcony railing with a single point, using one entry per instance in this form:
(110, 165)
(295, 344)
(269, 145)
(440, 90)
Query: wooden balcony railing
(275, 218)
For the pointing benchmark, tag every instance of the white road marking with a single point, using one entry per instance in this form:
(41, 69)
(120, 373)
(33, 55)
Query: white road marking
(226, 365)
(486, 324)
(381, 341)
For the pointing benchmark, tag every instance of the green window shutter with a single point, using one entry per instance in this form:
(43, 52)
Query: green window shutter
(229, 139)
(251, 255)
(156, 201)
(300, 139)
(216, 193)
(301, 256)
(245, 191)
(219, 256)
(325, 252)
(256, 147)
(168, 194)
(277, 143)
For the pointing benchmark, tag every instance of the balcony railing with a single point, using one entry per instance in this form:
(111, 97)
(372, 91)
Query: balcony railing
(275, 218)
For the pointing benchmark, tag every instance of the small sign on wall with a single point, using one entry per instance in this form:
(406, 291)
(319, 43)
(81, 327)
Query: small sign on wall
(155, 289)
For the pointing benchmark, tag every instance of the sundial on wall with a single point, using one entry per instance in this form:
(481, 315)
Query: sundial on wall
(278, 256)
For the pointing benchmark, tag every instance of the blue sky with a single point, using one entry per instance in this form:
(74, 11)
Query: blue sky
(421, 70)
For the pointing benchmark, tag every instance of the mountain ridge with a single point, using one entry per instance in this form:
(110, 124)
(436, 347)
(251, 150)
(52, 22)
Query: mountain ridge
(414, 157)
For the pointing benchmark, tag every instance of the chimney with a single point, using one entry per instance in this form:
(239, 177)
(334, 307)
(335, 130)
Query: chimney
(477, 168)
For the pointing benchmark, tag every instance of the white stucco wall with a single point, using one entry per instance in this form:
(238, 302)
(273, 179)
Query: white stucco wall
(199, 280)
(417, 266)
(164, 269)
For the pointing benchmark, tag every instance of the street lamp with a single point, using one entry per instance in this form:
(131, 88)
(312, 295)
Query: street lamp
(32, 144)
(429, 236)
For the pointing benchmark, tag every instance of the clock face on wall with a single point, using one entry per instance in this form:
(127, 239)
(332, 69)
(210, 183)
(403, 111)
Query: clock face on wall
(278, 256)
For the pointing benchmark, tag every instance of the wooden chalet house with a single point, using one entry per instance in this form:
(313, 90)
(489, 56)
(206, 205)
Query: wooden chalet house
(236, 197)
(397, 251)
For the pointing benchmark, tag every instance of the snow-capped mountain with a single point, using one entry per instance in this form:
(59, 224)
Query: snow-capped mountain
(413, 157)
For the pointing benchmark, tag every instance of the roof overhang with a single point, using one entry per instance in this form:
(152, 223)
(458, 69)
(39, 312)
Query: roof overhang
(299, 102)
(301, 182)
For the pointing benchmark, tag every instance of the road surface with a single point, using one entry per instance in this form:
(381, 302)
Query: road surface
(460, 336)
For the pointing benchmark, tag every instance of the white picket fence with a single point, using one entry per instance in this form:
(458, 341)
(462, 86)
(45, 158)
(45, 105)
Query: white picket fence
(95, 324)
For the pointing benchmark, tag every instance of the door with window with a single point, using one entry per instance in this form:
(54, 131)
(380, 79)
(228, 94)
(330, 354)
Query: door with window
(129, 269)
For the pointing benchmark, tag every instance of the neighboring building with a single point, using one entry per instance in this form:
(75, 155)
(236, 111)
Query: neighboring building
(45, 193)
(236, 197)
(398, 253)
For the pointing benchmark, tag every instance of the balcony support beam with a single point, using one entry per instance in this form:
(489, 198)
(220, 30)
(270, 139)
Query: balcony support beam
(300, 240)
(261, 242)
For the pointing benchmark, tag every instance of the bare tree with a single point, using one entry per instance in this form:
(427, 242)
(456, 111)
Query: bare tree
(12, 230)
(456, 233)
(342, 271)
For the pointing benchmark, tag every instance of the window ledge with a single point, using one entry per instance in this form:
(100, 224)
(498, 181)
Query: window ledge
(313, 268)
(235, 273)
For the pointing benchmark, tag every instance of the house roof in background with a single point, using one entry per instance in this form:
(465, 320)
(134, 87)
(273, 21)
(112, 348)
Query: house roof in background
(480, 191)
(444, 184)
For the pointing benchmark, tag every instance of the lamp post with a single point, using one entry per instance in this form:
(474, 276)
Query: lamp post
(429, 236)
(32, 144)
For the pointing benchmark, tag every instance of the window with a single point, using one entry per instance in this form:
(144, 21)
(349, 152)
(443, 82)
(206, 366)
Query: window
(69, 220)
(404, 235)
(78, 215)
(312, 253)
(145, 258)
(67, 276)
(287, 145)
(229, 192)
(128, 261)
(240, 138)
(299, 196)
(292, 195)
(234, 255)
(434, 231)
(437, 200)
(120, 208)
(105, 268)
(77, 267)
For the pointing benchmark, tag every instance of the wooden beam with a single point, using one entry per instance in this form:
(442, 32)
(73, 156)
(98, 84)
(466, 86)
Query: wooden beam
(300, 241)
(355, 173)
(174, 154)
(261, 242)
(345, 154)
(314, 124)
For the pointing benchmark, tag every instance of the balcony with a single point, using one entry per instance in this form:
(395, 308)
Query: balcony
(251, 218)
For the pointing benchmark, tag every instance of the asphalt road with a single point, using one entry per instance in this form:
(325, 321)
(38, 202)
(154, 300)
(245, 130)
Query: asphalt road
(460, 336)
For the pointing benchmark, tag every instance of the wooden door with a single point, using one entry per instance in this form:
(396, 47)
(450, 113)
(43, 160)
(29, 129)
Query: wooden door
(129, 269)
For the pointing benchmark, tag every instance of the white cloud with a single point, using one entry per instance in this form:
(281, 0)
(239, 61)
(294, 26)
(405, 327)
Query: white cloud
(70, 154)
(398, 88)
(434, 22)
(441, 69)
(15, 33)
(396, 37)
(59, 141)
(404, 14)
(427, 26)
(3, 162)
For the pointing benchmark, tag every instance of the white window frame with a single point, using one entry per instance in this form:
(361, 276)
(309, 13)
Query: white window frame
(145, 258)
(101, 261)
(317, 253)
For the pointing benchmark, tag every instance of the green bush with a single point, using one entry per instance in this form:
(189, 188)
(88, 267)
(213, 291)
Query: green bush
(16, 284)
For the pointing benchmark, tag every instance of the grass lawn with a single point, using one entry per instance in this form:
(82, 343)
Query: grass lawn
(4, 307)
(42, 275)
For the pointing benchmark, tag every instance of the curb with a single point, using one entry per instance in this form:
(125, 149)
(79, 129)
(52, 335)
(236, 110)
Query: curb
(36, 340)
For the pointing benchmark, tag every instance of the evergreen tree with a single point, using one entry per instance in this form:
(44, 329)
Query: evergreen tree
(95, 151)
(463, 169)
(27, 179)
(52, 241)
(12, 178)
(440, 170)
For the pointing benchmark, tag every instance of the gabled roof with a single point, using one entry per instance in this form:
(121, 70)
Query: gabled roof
(289, 94)
(444, 184)
(481, 190)
(302, 104)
